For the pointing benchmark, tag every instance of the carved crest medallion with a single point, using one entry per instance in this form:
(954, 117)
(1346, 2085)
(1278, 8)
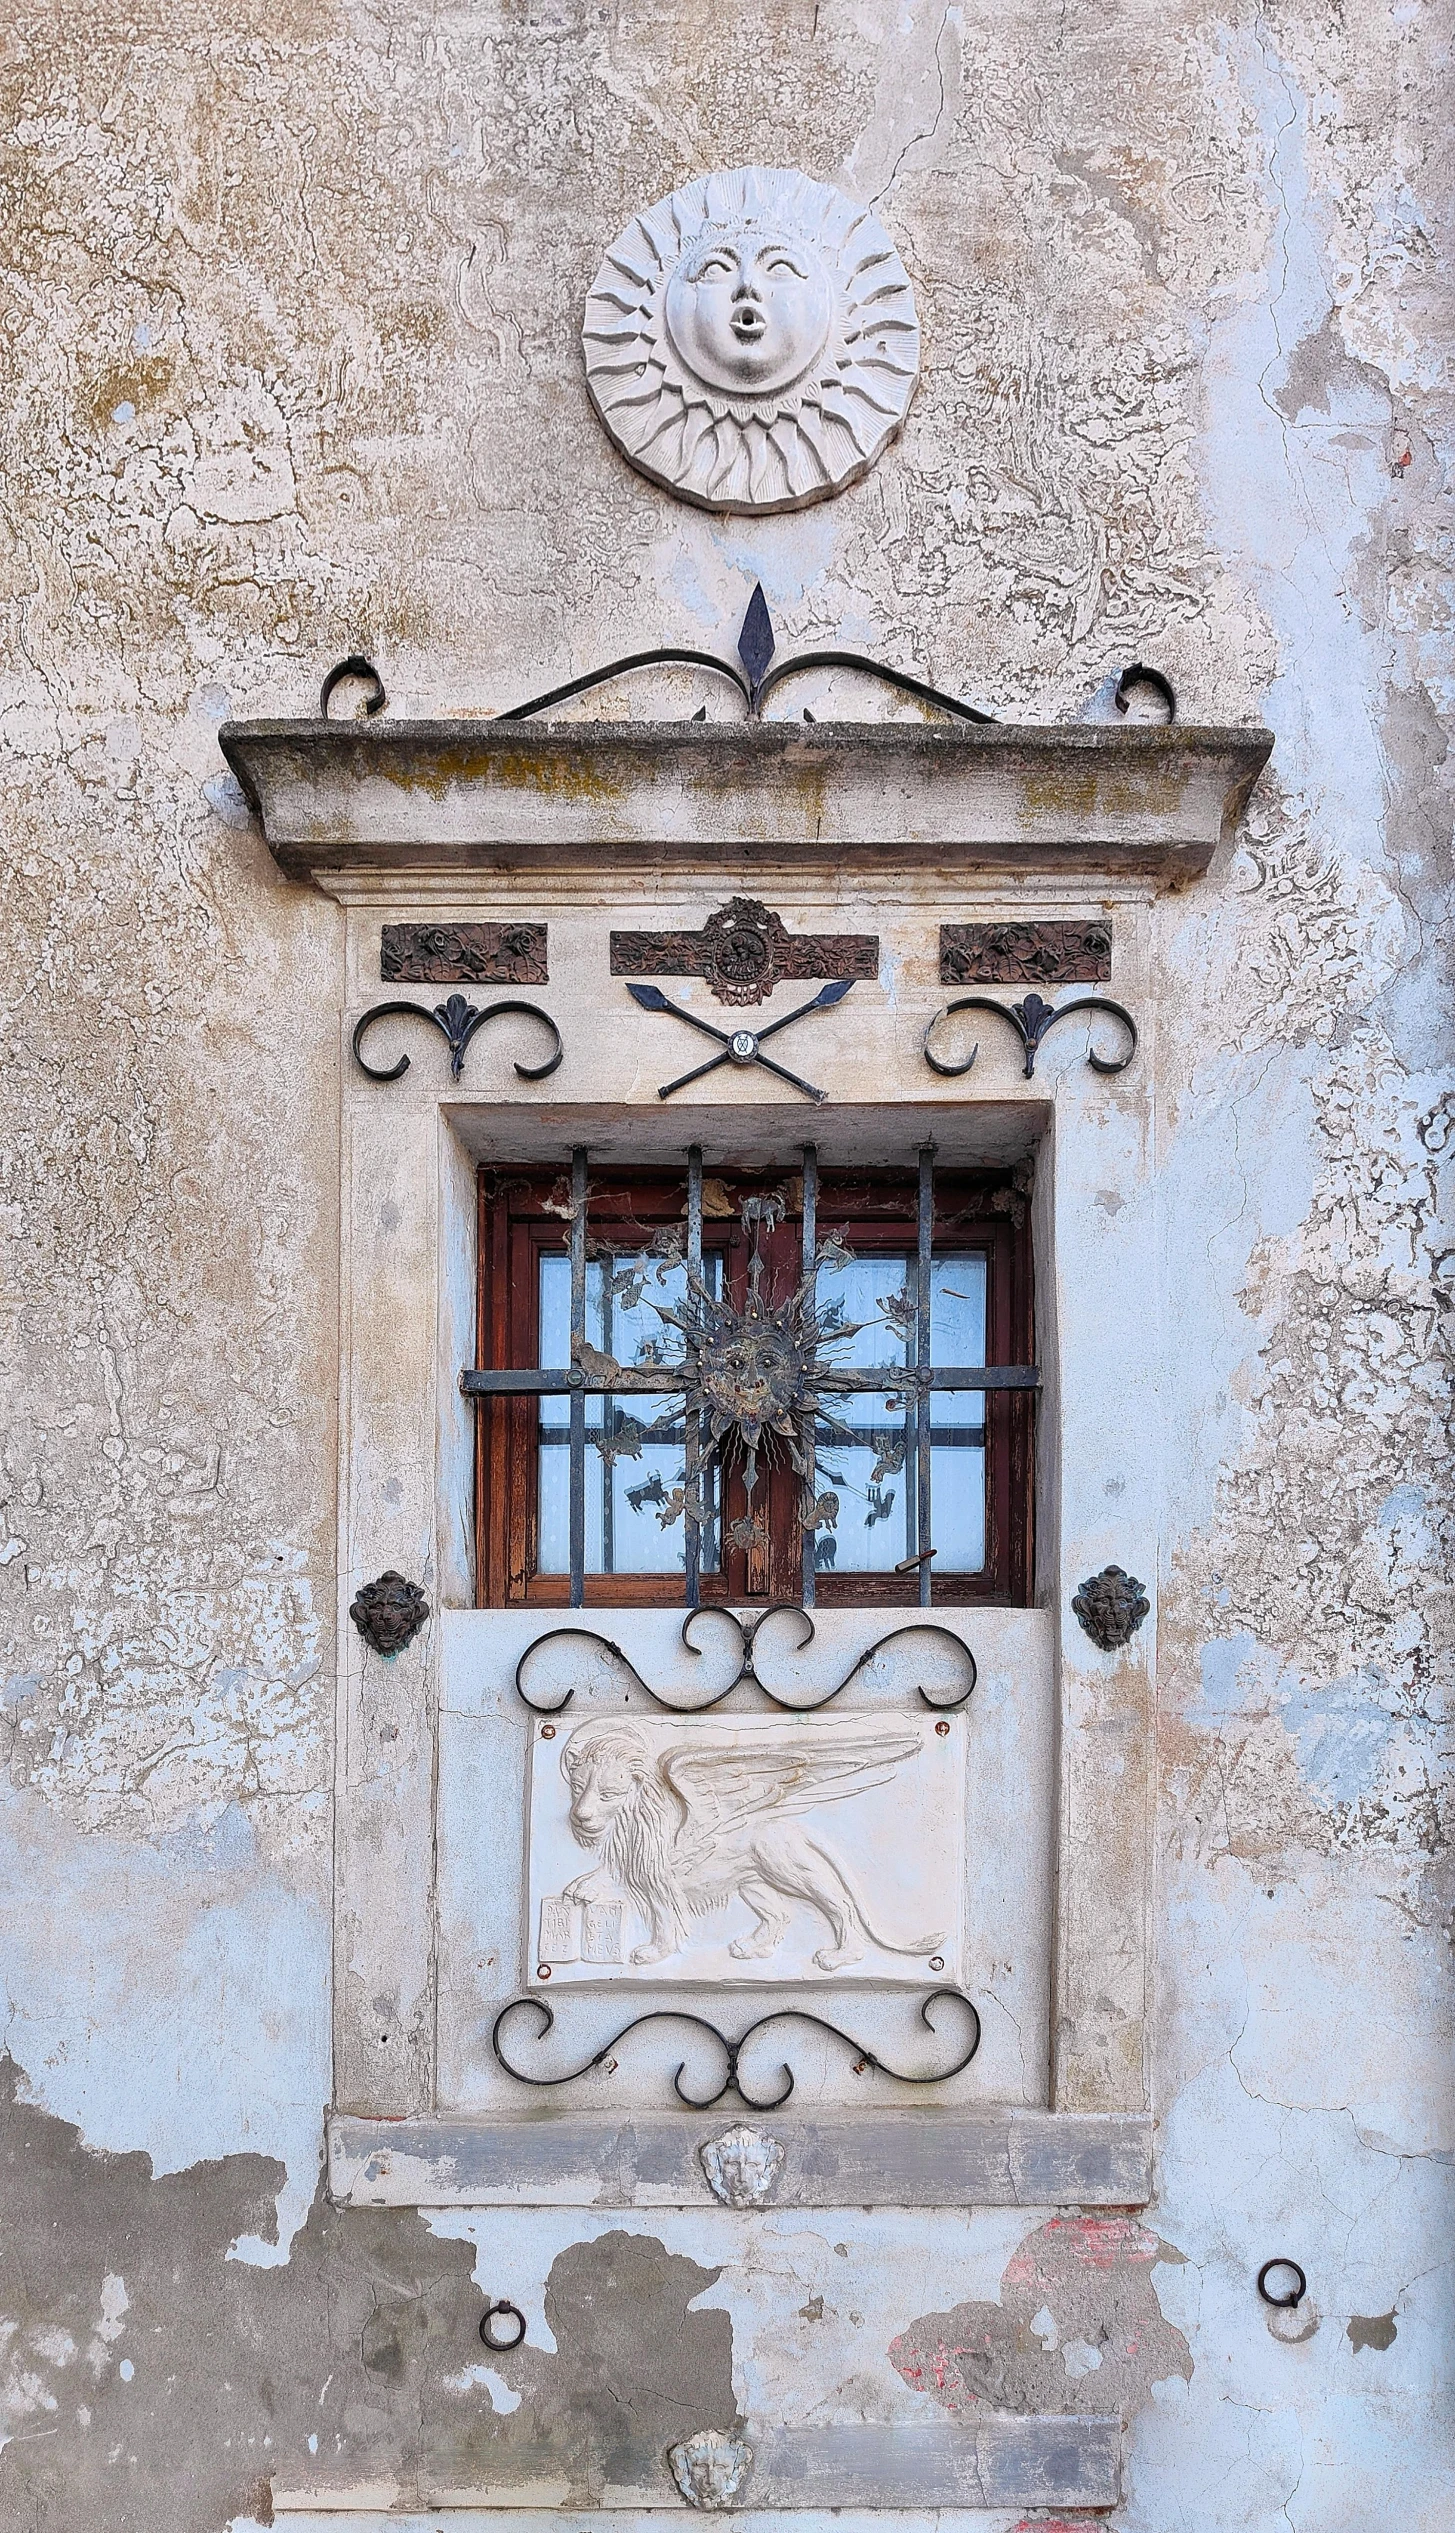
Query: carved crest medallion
(751, 341)
(743, 951)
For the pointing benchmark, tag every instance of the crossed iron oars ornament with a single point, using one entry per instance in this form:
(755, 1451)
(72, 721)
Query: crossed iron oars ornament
(741, 1046)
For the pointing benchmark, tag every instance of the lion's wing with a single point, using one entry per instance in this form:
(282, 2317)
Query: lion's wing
(723, 1785)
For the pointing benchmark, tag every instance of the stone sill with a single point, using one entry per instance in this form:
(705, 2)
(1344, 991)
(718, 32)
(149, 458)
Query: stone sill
(986, 2460)
(477, 796)
(907, 2159)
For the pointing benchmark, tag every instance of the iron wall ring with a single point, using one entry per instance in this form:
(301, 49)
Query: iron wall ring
(1288, 2303)
(491, 2315)
(1138, 674)
(354, 666)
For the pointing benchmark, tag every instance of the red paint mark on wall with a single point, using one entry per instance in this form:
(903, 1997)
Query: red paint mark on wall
(1078, 2328)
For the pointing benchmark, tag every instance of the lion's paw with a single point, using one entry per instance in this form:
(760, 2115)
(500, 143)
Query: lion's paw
(840, 1957)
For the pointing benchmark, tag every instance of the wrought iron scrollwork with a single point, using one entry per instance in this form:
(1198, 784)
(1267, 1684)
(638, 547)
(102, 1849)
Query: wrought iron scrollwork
(669, 655)
(458, 1022)
(755, 680)
(732, 2050)
(748, 1664)
(900, 679)
(1031, 1020)
(751, 675)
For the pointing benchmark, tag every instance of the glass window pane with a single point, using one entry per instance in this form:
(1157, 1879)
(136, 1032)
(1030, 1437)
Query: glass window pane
(957, 1417)
(873, 1471)
(635, 1478)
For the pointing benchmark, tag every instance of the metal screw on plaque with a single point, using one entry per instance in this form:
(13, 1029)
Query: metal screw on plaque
(937, 1961)
(543, 1970)
(942, 1729)
(548, 1732)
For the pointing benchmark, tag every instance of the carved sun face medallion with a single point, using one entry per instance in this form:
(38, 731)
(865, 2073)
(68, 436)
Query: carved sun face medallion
(751, 342)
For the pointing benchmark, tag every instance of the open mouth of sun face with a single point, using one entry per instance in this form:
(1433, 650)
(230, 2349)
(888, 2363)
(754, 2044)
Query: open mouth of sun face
(749, 323)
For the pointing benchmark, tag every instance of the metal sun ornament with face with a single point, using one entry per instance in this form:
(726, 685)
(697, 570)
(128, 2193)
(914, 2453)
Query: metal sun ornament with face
(756, 1375)
(751, 341)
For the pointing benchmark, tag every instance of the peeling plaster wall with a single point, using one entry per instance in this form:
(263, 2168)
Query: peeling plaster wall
(291, 369)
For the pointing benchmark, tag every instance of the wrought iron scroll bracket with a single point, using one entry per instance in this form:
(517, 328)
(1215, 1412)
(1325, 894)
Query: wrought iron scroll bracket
(458, 1022)
(750, 1664)
(1031, 1020)
(732, 2050)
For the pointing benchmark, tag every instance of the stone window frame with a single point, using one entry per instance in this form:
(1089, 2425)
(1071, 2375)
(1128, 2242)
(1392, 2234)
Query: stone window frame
(424, 820)
(454, 820)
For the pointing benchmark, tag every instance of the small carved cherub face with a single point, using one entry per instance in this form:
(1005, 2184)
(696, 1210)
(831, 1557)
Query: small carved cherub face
(749, 312)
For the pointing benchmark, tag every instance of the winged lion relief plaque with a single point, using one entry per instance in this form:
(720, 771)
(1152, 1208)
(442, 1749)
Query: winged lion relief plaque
(748, 1850)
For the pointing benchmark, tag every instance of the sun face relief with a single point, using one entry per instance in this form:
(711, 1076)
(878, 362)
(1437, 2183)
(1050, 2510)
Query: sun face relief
(748, 315)
(751, 342)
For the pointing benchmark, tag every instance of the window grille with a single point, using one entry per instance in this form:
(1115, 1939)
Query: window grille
(589, 1376)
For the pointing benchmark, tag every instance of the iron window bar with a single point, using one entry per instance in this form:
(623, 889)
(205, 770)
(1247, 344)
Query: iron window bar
(917, 1382)
(692, 1436)
(920, 1547)
(808, 1268)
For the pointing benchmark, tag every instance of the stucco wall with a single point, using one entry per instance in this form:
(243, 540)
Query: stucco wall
(291, 368)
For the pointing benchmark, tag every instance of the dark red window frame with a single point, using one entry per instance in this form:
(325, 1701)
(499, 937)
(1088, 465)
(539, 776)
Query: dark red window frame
(524, 1212)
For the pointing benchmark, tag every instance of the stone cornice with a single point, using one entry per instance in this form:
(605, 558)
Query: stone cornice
(342, 797)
